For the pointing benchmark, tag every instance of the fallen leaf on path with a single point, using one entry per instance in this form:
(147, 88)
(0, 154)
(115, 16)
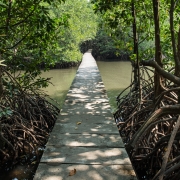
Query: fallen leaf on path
(72, 172)
(75, 128)
(78, 123)
(34, 162)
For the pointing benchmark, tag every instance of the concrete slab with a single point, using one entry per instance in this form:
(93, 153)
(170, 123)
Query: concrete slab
(88, 75)
(95, 113)
(86, 96)
(91, 84)
(85, 155)
(86, 71)
(85, 140)
(95, 77)
(74, 100)
(87, 108)
(88, 80)
(84, 118)
(88, 105)
(85, 172)
(91, 87)
(85, 127)
(82, 90)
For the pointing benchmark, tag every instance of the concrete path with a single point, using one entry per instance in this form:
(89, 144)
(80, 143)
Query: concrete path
(85, 142)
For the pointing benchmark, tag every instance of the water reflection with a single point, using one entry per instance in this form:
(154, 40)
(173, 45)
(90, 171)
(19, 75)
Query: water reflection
(61, 82)
(116, 76)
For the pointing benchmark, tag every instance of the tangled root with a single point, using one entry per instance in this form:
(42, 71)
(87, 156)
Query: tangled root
(146, 128)
(26, 120)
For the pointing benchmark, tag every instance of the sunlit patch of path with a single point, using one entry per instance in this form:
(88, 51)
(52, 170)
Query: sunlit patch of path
(85, 141)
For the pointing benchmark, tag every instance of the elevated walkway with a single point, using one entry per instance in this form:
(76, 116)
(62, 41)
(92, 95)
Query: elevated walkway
(85, 142)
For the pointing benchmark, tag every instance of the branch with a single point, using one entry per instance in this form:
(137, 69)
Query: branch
(161, 71)
(175, 4)
(173, 109)
(22, 21)
(18, 42)
(8, 16)
(166, 155)
(4, 141)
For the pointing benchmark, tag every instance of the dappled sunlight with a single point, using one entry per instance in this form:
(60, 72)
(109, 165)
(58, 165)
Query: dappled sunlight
(85, 155)
(96, 108)
(86, 126)
(86, 172)
(85, 142)
(95, 175)
(53, 178)
(113, 139)
(100, 153)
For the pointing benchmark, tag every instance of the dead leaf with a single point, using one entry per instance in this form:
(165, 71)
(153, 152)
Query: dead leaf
(72, 172)
(34, 162)
(75, 128)
(78, 123)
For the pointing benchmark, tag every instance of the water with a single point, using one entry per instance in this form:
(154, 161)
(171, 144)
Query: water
(61, 82)
(116, 76)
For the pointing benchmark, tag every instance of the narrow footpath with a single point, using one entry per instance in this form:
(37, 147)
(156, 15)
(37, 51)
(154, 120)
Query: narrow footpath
(85, 142)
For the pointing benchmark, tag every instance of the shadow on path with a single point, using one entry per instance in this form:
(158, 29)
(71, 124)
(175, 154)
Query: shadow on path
(85, 137)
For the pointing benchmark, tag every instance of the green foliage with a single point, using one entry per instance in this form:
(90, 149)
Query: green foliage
(35, 34)
(104, 46)
(118, 20)
(27, 33)
(5, 112)
(82, 25)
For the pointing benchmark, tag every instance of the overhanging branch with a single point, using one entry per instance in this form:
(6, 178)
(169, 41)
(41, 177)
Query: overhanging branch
(161, 71)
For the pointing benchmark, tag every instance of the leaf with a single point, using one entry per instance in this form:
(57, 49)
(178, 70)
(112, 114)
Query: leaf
(72, 172)
(3, 5)
(34, 162)
(78, 123)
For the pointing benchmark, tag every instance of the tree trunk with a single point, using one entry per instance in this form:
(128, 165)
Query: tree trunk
(1, 83)
(176, 50)
(6, 32)
(176, 57)
(135, 41)
(158, 53)
(178, 46)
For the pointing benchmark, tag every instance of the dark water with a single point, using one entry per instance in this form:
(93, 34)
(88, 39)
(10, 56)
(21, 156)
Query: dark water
(116, 76)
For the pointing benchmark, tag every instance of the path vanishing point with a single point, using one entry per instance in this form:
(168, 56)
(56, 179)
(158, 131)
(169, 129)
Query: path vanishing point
(85, 142)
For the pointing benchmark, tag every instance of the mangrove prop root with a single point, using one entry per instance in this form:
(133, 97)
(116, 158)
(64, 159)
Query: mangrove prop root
(147, 126)
(27, 124)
